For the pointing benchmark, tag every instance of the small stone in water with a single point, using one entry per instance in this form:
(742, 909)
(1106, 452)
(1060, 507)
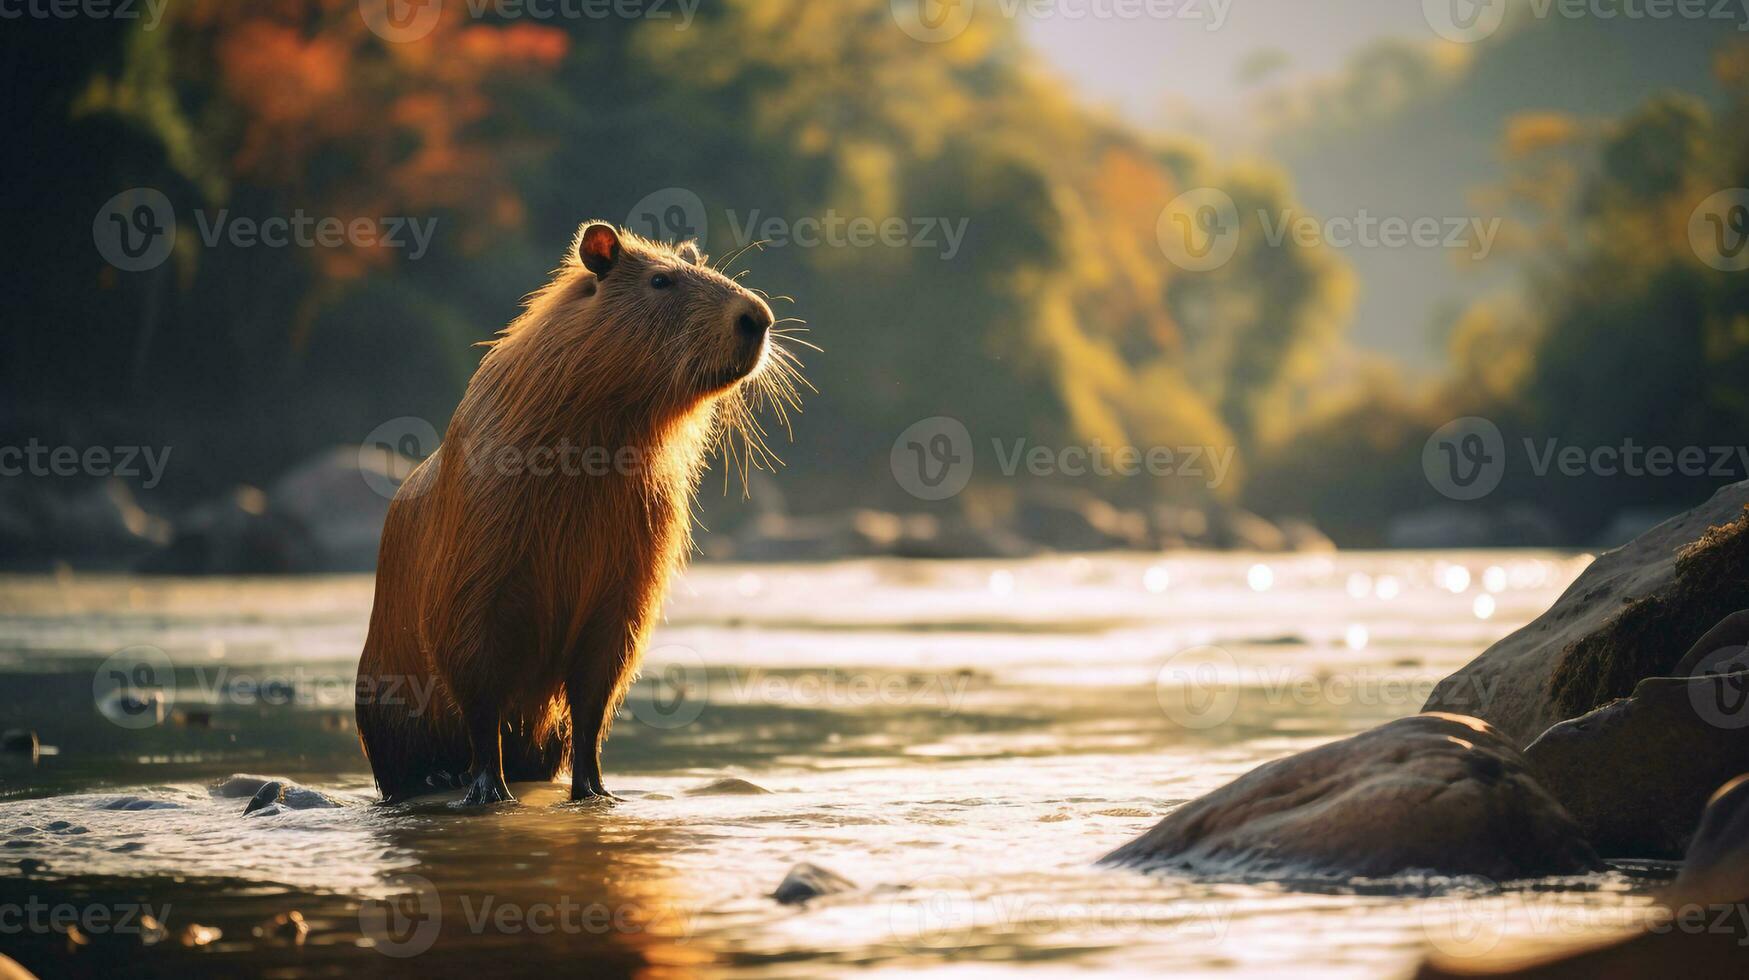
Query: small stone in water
(289, 926)
(728, 786)
(20, 740)
(806, 881)
(195, 934)
(265, 797)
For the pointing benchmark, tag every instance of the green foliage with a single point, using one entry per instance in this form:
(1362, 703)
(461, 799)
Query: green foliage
(1623, 333)
(1057, 319)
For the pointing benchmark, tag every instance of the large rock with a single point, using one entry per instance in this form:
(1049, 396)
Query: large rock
(339, 500)
(1452, 526)
(89, 523)
(864, 533)
(806, 882)
(1629, 616)
(1696, 929)
(1723, 650)
(1637, 773)
(1437, 793)
(234, 534)
(323, 515)
(1716, 868)
(1063, 519)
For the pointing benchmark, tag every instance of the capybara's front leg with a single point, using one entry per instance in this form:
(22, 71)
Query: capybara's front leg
(592, 692)
(485, 741)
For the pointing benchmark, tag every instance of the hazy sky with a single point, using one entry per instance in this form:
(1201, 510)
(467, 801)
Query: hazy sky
(1142, 64)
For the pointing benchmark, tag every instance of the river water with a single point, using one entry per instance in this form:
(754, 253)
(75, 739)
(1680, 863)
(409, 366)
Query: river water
(960, 740)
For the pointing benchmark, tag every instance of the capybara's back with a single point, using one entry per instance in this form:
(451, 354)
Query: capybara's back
(407, 719)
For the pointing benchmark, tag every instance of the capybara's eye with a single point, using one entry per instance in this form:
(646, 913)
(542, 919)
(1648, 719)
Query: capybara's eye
(660, 281)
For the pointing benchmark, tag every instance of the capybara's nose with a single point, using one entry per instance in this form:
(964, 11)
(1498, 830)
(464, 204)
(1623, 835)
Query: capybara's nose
(754, 320)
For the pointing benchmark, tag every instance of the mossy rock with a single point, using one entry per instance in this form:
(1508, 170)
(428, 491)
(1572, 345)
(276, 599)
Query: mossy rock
(1631, 615)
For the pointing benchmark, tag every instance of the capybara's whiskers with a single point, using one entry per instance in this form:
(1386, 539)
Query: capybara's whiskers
(737, 253)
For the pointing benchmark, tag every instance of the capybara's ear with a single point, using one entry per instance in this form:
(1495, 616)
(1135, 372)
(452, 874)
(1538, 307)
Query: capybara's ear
(598, 248)
(689, 251)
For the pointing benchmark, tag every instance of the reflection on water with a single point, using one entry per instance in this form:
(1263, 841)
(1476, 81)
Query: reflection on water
(961, 740)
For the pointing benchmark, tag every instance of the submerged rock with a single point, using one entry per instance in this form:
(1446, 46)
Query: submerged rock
(1637, 773)
(1630, 616)
(288, 927)
(1716, 868)
(728, 786)
(135, 803)
(267, 796)
(267, 793)
(1695, 930)
(1437, 793)
(809, 881)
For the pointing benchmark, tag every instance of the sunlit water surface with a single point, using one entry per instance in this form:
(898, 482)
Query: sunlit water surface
(962, 741)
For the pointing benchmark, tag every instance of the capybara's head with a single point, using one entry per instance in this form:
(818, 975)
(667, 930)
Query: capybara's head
(692, 331)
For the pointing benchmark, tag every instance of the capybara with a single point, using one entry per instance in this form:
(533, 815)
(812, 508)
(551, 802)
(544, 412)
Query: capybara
(523, 563)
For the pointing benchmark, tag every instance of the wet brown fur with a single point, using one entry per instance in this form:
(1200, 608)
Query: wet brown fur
(526, 598)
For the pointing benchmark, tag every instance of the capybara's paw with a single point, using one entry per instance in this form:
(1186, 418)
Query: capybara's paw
(488, 788)
(583, 793)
